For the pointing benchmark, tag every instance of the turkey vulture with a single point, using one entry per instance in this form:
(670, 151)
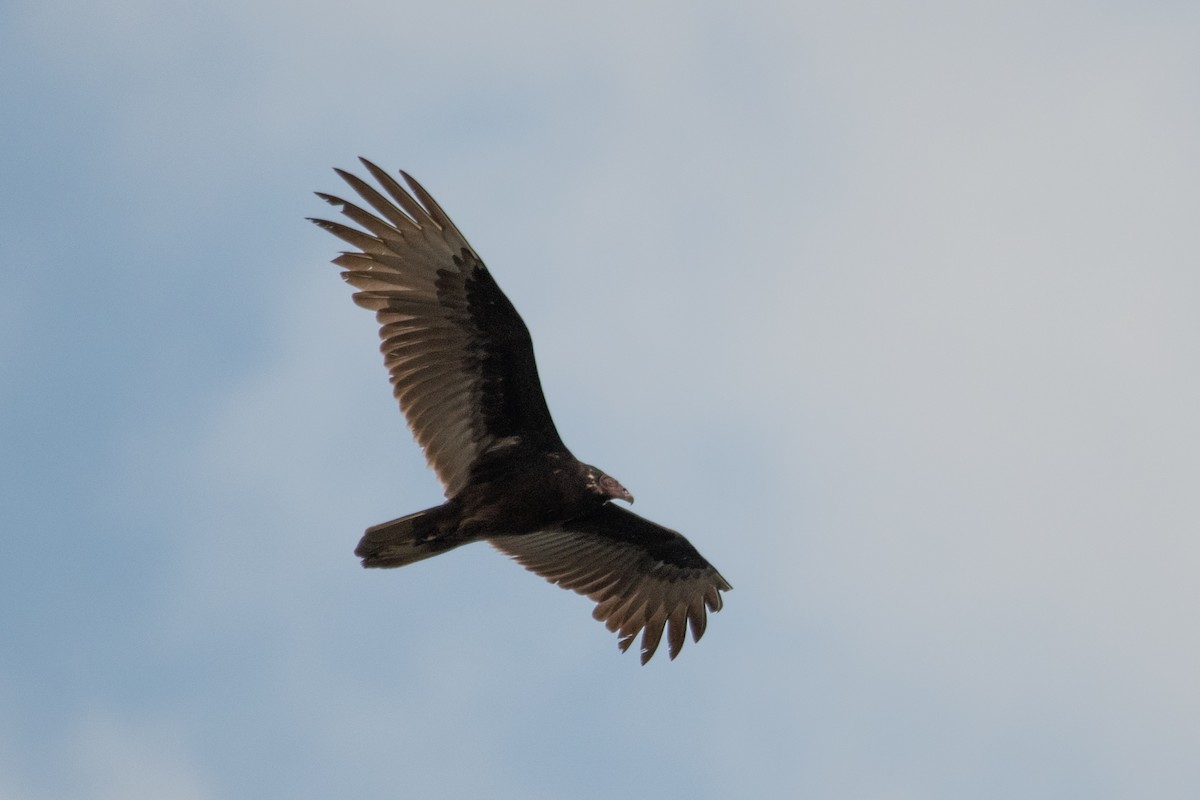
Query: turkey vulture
(462, 368)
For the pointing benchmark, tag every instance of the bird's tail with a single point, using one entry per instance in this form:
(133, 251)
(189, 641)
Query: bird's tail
(408, 539)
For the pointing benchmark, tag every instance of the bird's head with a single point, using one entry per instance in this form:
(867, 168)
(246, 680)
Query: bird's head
(607, 486)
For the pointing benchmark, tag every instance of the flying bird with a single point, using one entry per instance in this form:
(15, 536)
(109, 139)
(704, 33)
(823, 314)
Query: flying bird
(462, 368)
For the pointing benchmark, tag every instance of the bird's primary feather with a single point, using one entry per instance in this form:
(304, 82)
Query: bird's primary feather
(641, 575)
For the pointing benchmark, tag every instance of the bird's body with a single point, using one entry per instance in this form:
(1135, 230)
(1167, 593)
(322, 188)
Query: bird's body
(462, 367)
(517, 494)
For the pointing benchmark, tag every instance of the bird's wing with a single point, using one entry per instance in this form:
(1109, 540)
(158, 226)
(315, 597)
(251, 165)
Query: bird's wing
(643, 577)
(460, 357)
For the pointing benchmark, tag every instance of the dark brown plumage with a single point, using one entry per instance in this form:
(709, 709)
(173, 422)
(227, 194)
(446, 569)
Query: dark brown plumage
(462, 367)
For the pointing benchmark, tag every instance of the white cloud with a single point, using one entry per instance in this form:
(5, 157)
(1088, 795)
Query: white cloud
(107, 755)
(119, 761)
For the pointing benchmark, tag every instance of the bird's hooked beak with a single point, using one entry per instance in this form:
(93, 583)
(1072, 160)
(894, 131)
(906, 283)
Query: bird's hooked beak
(608, 486)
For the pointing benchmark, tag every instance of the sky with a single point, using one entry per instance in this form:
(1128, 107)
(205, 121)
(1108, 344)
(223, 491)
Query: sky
(890, 308)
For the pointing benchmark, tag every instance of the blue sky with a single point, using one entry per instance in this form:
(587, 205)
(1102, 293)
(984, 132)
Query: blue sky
(892, 310)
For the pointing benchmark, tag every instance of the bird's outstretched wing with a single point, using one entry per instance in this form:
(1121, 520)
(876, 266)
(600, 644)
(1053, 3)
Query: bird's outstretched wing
(460, 357)
(643, 577)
